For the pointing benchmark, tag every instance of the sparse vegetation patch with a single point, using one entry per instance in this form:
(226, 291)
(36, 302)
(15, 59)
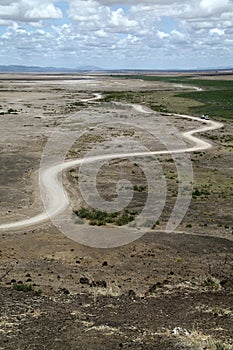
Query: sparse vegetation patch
(99, 218)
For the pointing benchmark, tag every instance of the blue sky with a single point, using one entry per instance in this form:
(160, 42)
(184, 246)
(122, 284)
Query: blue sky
(149, 34)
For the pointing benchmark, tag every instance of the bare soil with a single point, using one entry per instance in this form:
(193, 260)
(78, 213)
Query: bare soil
(130, 297)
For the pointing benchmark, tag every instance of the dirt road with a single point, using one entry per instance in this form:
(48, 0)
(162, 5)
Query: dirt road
(57, 197)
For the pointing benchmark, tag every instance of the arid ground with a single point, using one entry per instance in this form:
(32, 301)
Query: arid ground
(162, 291)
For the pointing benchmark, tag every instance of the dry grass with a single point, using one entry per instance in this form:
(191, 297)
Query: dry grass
(198, 341)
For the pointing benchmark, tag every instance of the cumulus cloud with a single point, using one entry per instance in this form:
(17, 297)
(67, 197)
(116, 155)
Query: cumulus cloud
(93, 16)
(27, 10)
(217, 31)
(162, 35)
(133, 32)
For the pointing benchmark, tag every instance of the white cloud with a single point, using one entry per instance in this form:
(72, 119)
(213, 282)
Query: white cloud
(133, 32)
(178, 35)
(25, 10)
(217, 31)
(93, 16)
(86, 10)
(4, 22)
(119, 20)
(162, 35)
(215, 6)
(101, 33)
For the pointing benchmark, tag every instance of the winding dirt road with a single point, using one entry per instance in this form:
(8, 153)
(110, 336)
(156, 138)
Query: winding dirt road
(58, 198)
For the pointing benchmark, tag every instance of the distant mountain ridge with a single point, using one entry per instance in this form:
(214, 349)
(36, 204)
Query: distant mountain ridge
(88, 68)
(38, 69)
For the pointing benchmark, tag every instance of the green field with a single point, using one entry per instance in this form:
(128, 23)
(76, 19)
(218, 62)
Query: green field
(216, 99)
(216, 103)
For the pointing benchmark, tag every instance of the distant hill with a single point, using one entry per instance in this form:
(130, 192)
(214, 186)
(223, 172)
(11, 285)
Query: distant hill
(38, 69)
(90, 69)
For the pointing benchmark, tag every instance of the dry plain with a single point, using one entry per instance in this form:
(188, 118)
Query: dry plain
(162, 291)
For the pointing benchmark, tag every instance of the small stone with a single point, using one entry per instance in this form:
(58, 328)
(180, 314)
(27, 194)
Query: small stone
(64, 291)
(131, 293)
(101, 284)
(84, 280)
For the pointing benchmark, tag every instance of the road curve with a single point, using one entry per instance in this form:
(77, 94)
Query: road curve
(57, 197)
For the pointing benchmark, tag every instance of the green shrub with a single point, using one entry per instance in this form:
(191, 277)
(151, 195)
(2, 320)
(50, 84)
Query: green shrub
(22, 287)
(99, 218)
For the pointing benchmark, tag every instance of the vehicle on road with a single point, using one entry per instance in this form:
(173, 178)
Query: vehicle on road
(206, 117)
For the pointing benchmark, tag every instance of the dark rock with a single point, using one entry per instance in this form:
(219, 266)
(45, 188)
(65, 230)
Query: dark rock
(64, 291)
(153, 288)
(226, 283)
(84, 280)
(101, 284)
(131, 293)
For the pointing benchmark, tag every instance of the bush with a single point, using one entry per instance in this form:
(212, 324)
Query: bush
(212, 283)
(22, 287)
(99, 218)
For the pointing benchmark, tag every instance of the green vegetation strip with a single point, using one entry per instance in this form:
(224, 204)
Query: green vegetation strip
(217, 103)
(99, 218)
(213, 84)
(216, 99)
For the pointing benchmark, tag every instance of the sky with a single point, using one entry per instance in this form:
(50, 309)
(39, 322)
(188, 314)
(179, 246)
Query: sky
(133, 34)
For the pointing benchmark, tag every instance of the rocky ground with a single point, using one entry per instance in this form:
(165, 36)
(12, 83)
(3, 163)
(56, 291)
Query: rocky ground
(163, 291)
